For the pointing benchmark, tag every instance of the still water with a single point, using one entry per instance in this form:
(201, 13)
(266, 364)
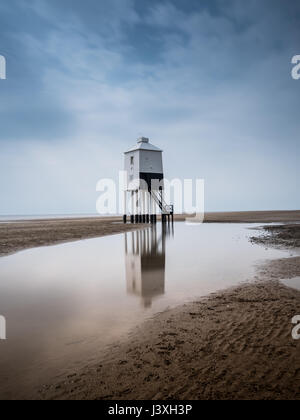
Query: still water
(64, 304)
(293, 283)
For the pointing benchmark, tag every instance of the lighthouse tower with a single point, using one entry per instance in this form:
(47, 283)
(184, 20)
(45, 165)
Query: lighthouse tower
(145, 183)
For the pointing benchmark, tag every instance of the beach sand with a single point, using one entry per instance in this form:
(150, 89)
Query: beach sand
(19, 235)
(235, 344)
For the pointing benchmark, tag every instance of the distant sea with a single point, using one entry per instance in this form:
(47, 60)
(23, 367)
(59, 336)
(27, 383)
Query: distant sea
(13, 218)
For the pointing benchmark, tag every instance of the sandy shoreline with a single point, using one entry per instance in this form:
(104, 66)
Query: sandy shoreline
(235, 344)
(17, 236)
(20, 235)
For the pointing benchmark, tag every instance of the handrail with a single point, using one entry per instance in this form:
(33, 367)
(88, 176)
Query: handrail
(165, 208)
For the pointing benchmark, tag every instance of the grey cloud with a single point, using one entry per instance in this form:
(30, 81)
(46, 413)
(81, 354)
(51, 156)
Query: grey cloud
(209, 81)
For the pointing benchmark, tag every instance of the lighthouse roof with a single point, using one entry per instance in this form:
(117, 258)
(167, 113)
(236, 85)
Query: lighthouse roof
(143, 144)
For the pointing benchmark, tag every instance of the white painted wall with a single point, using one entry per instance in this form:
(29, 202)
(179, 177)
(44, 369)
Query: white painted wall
(151, 162)
(143, 161)
(133, 171)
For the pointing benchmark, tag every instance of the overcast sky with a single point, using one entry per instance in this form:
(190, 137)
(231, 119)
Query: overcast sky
(209, 81)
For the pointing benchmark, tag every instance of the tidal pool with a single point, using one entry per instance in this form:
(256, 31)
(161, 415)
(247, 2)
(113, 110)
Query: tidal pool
(63, 304)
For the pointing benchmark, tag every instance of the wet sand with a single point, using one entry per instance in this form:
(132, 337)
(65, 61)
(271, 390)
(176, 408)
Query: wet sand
(19, 235)
(283, 236)
(16, 236)
(234, 344)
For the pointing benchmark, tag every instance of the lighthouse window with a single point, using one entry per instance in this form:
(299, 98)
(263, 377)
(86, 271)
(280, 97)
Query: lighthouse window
(132, 160)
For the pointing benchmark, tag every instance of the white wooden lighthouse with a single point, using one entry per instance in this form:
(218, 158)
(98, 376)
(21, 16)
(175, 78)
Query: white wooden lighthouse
(145, 183)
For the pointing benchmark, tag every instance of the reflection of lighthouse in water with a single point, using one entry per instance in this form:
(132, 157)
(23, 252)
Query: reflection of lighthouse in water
(145, 262)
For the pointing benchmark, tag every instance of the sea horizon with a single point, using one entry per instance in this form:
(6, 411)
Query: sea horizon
(17, 217)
